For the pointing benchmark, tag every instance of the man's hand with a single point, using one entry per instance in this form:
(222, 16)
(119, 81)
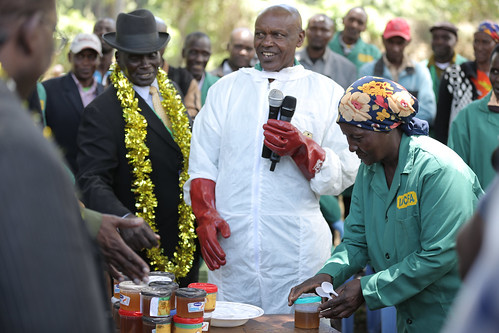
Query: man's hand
(120, 257)
(212, 252)
(285, 139)
(139, 237)
(282, 137)
(348, 301)
(209, 222)
(308, 286)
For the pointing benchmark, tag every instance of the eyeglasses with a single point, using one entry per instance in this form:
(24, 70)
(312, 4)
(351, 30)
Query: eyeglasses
(60, 41)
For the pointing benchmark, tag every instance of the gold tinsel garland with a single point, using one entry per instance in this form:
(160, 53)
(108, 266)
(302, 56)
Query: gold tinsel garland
(138, 152)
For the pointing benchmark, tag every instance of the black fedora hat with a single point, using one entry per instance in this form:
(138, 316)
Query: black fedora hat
(136, 33)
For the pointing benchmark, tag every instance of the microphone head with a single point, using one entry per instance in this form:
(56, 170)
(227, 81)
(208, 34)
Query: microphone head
(289, 103)
(275, 98)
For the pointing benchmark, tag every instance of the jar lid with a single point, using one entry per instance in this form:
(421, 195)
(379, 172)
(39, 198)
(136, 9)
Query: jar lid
(156, 291)
(181, 320)
(157, 320)
(131, 286)
(190, 292)
(170, 284)
(209, 287)
(160, 273)
(308, 298)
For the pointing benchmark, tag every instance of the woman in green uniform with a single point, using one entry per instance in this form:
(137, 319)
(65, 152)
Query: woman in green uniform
(410, 197)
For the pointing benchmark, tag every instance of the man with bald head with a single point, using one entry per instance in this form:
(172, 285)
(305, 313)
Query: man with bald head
(348, 42)
(319, 58)
(241, 52)
(266, 230)
(101, 27)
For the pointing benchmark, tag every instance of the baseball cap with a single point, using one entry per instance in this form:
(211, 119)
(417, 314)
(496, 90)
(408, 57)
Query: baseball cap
(86, 41)
(397, 27)
(444, 26)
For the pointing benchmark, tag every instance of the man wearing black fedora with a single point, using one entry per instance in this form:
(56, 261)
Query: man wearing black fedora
(133, 144)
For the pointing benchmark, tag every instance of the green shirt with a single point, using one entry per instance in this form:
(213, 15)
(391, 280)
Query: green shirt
(407, 233)
(473, 135)
(209, 80)
(361, 52)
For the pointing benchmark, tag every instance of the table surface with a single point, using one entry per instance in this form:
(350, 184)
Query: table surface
(272, 324)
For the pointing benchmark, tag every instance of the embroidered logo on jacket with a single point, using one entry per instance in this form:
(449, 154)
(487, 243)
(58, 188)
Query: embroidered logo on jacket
(406, 200)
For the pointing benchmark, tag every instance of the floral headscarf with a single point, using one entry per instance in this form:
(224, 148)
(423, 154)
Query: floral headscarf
(379, 104)
(491, 29)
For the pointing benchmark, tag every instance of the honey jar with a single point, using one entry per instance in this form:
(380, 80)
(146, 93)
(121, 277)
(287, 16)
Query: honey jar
(156, 325)
(156, 301)
(130, 321)
(211, 294)
(173, 287)
(130, 296)
(190, 302)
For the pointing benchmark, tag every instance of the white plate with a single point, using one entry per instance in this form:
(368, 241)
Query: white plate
(230, 314)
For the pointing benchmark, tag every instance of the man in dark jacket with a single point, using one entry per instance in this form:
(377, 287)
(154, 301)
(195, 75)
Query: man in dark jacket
(68, 95)
(51, 277)
(133, 145)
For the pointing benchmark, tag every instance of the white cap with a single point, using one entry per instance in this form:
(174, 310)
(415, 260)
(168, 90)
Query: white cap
(86, 41)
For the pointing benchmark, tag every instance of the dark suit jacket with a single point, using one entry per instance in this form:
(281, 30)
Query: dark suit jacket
(104, 174)
(51, 280)
(63, 113)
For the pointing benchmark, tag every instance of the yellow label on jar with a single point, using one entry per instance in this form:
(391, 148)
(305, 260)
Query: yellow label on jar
(160, 307)
(163, 328)
(211, 300)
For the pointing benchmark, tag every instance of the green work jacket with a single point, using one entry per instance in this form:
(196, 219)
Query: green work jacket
(407, 233)
(473, 135)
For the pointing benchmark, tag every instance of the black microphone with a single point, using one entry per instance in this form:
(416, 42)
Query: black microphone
(287, 110)
(275, 100)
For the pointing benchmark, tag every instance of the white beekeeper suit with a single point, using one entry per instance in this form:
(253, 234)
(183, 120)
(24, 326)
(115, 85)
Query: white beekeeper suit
(278, 235)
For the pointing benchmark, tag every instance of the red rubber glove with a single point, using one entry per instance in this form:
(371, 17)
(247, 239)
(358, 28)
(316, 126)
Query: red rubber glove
(209, 222)
(286, 140)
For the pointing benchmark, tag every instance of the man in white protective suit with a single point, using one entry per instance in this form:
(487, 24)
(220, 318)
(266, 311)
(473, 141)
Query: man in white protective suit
(261, 232)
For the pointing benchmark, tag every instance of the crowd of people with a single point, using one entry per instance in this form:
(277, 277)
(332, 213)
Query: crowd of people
(126, 164)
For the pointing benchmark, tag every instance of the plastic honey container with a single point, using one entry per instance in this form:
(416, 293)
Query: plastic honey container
(190, 302)
(187, 325)
(156, 325)
(306, 311)
(130, 296)
(156, 301)
(211, 294)
(130, 321)
(173, 287)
